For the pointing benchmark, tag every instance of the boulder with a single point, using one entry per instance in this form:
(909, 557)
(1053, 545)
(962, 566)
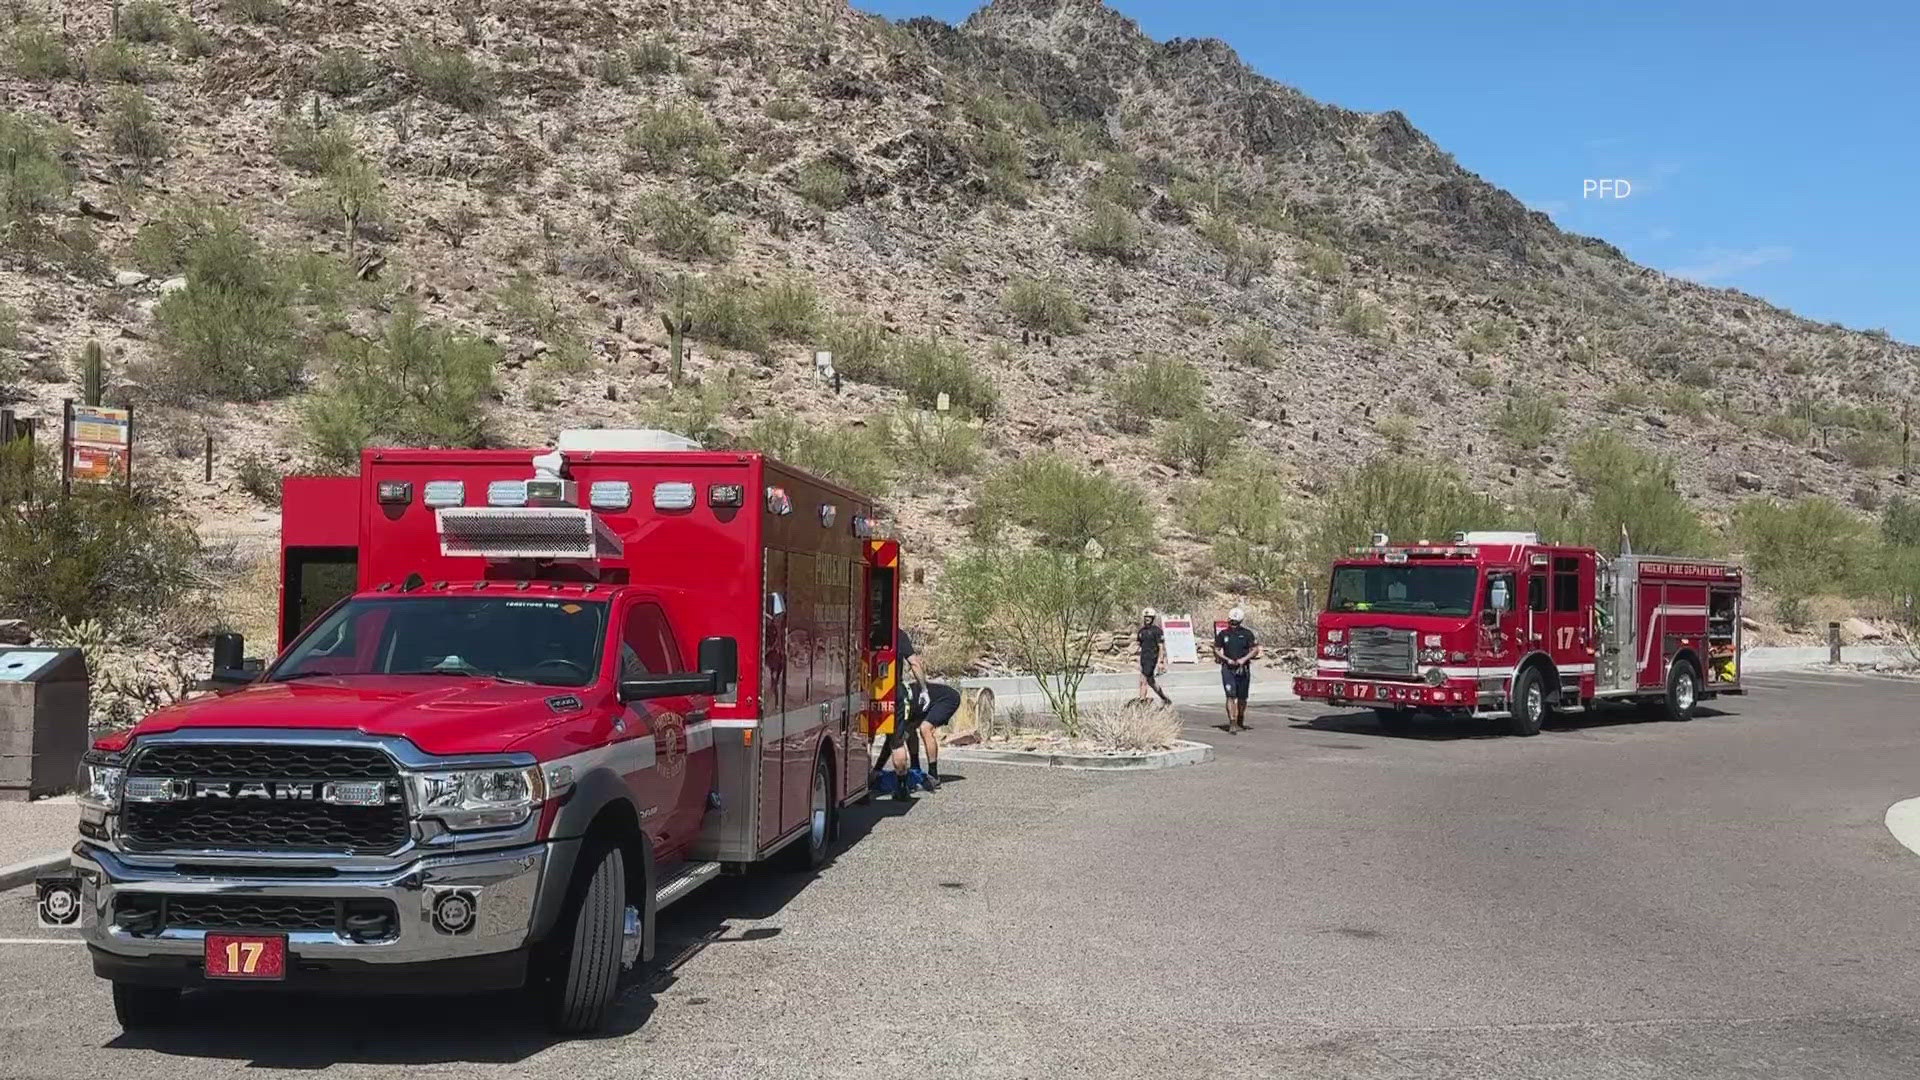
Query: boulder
(1748, 481)
(1861, 630)
(128, 279)
(15, 632)
(173, 284)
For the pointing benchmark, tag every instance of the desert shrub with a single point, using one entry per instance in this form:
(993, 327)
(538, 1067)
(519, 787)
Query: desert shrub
(1111, 231)
(1251, 347)
(1685, 401)
(1620, 488)
(1158, 386)
(1787, 427)
(448, 76)
(349, 197)
(9, 328)
(34, 181)
(1362, 318)
(1806, 547)
(728, 312)
(788, 109)
(1899, 522)
(117, 61)
(1868, 451)
(259, 12)
(1247, 257)
(314, 149)
(38, 52)
(823, 183)
(1526, 418)
(936, 444)
(1043, 609)
(1201, 441)
(670, 138)
(860, 348)
(1627, 396)
(1405, 497)
(1324, 264)
(613, 68)
(230, 333)
(1398, 431)
(101, 553)
(206, 243)
(1479, 378)
(1491, 335)
(1137, 726)
(694, 411)
(653, 56)
(417, 384)
(192, 42)
(1045, 306)
(1064, 504)
(789, 308)
(260, 477)
(845, 455)
(146, 21)
(927, 367)
(343, 72)
(683, 229)
(131, 129)
(1249, 515)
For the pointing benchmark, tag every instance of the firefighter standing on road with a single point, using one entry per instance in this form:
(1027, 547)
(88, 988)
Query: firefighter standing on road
(1153, 655)
(1236, 648)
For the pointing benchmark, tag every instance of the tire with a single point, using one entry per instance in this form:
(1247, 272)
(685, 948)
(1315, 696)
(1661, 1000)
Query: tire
(1528, 707)
(586, 966)
(143, 1007)
(809, 853)
(1683, 690)
(1397, 721)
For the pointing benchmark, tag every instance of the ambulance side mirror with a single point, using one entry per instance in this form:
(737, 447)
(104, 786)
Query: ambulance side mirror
(231, 669)
(720, 657)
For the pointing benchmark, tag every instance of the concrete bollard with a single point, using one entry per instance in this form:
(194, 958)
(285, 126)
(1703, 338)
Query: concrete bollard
(1833, 643)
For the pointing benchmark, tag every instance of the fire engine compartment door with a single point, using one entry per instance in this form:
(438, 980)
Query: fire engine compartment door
(880, 631)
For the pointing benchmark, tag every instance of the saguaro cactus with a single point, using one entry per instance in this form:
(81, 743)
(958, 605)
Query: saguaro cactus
(678, 323)
(93, 373)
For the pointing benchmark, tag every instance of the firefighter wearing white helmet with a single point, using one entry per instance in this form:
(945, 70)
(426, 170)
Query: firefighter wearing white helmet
(1153, 654)
(1235, 649)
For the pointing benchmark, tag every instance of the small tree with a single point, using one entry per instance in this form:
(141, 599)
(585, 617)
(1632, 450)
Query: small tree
(1044, 611)
(1065, 505)
(416, 385)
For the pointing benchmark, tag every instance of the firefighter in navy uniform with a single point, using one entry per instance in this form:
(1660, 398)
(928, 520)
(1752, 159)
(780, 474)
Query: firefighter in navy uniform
(1235, 649)
(910, 707)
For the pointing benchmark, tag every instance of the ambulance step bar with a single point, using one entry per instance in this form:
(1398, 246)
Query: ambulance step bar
(689, 878)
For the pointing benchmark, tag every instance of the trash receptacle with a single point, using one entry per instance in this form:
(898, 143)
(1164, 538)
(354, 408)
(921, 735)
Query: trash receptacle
(44, 702)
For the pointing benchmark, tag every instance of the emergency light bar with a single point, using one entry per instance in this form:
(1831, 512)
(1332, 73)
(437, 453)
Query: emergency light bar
(526, 532)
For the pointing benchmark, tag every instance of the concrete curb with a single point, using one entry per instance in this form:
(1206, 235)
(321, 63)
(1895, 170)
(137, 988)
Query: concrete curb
(1182, 753)
(24, 873)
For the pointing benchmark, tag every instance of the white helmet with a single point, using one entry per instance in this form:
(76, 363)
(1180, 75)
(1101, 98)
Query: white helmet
(1237, 615)
(1148, 613)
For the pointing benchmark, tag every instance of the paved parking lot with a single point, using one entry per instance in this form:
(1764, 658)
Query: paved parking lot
(1612, 899)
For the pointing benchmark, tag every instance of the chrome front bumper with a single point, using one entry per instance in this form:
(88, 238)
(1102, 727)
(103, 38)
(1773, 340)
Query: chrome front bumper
(504, 884)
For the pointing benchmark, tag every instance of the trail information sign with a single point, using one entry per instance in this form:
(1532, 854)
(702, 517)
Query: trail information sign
(1180, 644)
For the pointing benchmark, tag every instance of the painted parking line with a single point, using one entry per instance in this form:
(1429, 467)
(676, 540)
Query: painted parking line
(1903, 821)
(41, 941)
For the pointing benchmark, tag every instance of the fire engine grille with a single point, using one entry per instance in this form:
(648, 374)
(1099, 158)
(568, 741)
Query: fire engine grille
(237, 822)
(525, 532)
(294, 913)
(1380, 650)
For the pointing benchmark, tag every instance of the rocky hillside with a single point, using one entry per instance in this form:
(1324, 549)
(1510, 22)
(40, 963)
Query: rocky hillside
(1042, 212)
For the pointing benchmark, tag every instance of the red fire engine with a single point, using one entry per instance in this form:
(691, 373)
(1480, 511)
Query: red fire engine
(520, 707)
(1500, 625)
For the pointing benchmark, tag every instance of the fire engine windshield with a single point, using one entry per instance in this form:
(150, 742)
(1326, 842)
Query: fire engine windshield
(1411, 588)
(550, 641)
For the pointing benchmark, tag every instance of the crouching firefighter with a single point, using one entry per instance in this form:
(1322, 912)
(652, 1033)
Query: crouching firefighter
(911, 704)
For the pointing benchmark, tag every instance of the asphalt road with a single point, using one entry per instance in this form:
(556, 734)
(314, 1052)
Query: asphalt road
(1612, 899)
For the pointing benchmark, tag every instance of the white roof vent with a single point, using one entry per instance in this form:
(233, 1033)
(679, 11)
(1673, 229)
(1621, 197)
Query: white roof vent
(1497, 538)
(588, 439)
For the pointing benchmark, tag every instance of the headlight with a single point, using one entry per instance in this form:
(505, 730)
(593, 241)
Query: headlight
(1432, 656)
(480, 798)
(1435, 676)
(1334, 651)
(104, 779)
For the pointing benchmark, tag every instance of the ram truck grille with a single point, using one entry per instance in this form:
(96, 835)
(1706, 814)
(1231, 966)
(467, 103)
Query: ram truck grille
(261, 797)
(156, 911)
(1380, 650)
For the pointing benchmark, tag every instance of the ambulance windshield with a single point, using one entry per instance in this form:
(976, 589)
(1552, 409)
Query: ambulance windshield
(551, 641)
(1407, 588)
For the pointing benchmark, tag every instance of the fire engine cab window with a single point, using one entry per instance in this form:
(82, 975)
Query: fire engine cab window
(1566, 584)
(1413, 589)
(1537, 592)
(647, 647)
(549, 641)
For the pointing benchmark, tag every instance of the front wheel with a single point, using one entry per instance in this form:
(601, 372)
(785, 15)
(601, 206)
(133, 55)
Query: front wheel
(1528, 709)
(586, 973)
(140, 1007)
(1683, 691)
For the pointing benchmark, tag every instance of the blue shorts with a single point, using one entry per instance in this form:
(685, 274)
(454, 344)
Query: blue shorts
(1236, 681)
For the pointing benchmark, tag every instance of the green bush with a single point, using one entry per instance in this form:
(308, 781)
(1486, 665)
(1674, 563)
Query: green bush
(117, 61)
(788, 109)
(683, 229)
(1479, 378)
(1251, 347)
(260, 478)
(653, 57)
(1787, 428)
(312, 149)
(789, 308)
(230, 344)
(1201, 442)
(860, 349)
(343, 72)
(670, 138)
(101, 553)
(447, 76)
(1619, 487)
(37, 52)
(1362, 318)
(418, 384)
(1899, 522)
(1807, 547)
(34, 180)
(1158, 387)
(1526, 418)
(728, 312)
(1324, 264)
(1489, 336)
(192, 42)
(1398, 431)
(259, 12)
(1044, 306)
(1248, 513)
(927, 367)
(824, 184)
(1405, 497)
(146, 21)
(1113, 232)
(1627, 396)
(694, 411)
(1247, 257)
(131, 129)
(1064, 504)
(208, 244)
(9, 328)
(936, 444)
(850, 456)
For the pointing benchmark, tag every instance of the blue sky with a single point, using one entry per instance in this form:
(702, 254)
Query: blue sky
(1770, 146)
